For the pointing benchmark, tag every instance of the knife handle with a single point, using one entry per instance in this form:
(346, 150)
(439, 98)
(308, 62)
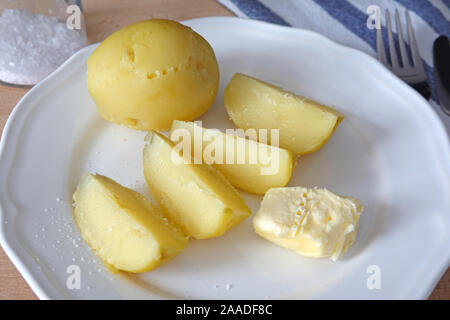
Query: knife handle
(441, 60)
(423, 88)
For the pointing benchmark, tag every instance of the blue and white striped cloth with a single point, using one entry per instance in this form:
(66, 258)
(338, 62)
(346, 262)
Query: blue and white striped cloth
(344, 21)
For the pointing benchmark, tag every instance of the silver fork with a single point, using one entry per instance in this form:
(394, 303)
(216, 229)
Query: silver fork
(412, 72)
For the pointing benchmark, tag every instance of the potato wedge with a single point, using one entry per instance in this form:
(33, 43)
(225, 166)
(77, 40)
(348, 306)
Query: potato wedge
(196, 197)
(249, 165)
(304, 125)
(122, 227)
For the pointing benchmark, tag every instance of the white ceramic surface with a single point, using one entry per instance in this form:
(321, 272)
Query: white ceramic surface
(391, 152)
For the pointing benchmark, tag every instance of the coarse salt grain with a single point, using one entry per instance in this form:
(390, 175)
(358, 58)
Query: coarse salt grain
(34, 45)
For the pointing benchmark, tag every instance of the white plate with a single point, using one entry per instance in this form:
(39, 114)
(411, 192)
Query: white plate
(391, 152)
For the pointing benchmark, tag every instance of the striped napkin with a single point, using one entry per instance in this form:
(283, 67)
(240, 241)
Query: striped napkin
(345, 21)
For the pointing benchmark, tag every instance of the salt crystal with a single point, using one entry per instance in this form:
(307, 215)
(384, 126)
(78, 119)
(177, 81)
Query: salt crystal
(34, 45)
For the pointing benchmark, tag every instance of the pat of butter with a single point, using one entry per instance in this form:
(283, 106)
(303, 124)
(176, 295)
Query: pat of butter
(312, 222)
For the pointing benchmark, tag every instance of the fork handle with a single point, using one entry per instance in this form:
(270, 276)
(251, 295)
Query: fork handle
(423, 88)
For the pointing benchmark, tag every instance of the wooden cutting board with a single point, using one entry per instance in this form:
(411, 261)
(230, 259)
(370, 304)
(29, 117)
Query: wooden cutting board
(103, 17)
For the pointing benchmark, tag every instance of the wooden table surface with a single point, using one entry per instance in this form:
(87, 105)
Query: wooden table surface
(102, 18)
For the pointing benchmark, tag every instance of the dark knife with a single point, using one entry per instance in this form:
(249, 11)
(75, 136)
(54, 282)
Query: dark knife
(441, 60)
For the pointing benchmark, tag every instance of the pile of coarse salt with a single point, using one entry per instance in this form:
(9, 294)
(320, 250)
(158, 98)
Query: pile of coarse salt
(33, 45)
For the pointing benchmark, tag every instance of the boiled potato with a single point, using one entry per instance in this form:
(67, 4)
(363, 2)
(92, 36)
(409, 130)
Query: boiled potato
(195, 196)
(249, 165)
(152, 72)
(304, 125)
(122, 227)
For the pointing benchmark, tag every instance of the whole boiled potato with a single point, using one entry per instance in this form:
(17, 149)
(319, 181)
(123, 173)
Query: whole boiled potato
(150, 73)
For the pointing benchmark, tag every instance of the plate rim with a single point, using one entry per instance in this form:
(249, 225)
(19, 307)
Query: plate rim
(17, 118)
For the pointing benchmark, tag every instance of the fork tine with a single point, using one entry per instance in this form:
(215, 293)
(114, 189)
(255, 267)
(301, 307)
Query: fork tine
(416, 60)
(401, 43)
(392, 51)
(380, 47)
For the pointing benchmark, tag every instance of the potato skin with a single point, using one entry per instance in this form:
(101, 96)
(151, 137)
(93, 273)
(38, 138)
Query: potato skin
(150, 73)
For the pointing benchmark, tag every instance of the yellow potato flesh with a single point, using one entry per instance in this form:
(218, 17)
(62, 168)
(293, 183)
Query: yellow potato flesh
(254, 167)
(152, 72)
(304, 125)
(122, 227)
(195, 196)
